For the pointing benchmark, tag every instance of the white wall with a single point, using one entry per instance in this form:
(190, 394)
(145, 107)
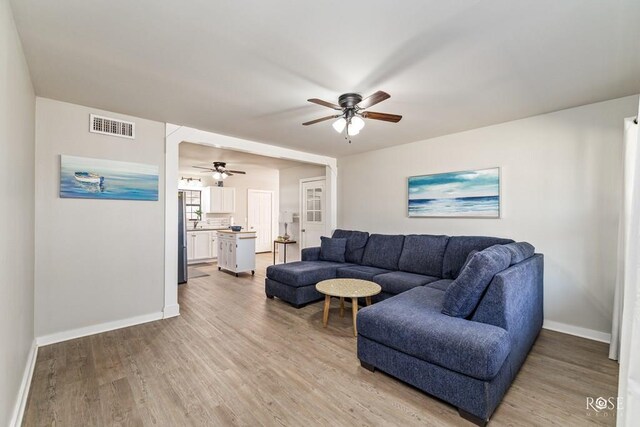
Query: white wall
(561, 191)
(97, 261)
(17, 141)
(290, 201)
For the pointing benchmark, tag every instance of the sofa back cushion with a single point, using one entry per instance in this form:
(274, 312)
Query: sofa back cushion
(458, 249)
(332, 249)
(520, 251)
(463, 295)
(383, 251)
(356, 241)
(423, 254)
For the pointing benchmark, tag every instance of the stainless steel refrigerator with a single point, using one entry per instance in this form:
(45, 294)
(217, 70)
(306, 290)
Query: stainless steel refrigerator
(182, 239)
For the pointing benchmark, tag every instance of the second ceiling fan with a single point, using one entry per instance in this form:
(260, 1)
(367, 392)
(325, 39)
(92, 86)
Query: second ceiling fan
(351, 107)
(220, 170)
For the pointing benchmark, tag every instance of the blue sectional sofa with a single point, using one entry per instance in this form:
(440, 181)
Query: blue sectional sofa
(430, 327)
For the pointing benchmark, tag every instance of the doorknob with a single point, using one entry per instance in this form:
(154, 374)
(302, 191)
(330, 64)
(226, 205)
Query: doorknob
(303, 230)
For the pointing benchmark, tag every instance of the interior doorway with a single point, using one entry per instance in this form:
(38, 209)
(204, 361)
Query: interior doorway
(260, 205)
(176, 136)
(312, 211)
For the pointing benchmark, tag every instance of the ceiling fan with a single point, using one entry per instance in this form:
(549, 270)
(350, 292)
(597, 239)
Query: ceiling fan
(220, 170)
(351, 107)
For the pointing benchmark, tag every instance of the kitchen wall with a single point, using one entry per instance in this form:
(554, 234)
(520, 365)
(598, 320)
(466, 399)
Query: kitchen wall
(290, 201)
(17, 122)
(561, 191)
(97, 261)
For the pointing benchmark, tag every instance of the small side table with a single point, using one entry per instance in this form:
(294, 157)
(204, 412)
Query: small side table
(346, 288)
(284, 243)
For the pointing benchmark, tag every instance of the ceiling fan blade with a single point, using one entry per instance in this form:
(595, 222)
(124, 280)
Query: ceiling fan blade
(201, 167)
(324, 103)
(371, 100)
(312, 122)
(381, 116)
(238, 172)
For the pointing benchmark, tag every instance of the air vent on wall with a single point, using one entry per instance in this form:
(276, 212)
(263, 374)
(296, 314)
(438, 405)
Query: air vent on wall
(114, 127)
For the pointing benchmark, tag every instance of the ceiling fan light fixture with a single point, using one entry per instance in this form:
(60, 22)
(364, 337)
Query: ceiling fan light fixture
(357, 123)
(339, 124)
(216, 175)
(224, 175)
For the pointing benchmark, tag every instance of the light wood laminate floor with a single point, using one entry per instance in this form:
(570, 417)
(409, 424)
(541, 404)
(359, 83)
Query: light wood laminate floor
(234, 357)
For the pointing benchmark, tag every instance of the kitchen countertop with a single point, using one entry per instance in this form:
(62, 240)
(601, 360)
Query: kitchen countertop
(207, 229)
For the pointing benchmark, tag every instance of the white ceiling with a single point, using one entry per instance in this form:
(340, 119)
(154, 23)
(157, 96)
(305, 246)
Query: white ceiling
(245, 68)
(202, 155)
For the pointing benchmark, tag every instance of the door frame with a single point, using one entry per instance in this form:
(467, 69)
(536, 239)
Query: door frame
(328, 226)
(176, 134)
(274, 214)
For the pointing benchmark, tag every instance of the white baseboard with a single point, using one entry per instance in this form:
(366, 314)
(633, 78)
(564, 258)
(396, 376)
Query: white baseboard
(577, 331)
(96, 329)
(23, 392)
(171, 311)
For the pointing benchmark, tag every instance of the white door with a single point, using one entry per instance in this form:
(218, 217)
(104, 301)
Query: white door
(260, 218)
(313, 213)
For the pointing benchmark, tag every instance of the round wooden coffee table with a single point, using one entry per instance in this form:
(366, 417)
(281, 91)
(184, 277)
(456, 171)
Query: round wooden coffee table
(346, 288)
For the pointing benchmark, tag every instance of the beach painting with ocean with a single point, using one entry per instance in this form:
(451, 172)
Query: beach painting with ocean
(466, 194)
(87, 178)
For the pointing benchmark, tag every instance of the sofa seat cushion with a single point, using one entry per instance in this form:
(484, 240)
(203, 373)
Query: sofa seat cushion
(383, 251)
(397, 282)
(356, 241)
(423, 254)
(412, 323)
(360, 272)
(458, 249)
(442, 284)
(303, 273)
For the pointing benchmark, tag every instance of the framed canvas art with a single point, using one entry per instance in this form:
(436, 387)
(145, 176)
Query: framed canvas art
(465, 194)
(86, 178)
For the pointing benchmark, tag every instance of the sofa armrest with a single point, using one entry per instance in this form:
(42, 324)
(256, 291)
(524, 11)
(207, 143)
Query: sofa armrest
(514, 301)
(310, 254)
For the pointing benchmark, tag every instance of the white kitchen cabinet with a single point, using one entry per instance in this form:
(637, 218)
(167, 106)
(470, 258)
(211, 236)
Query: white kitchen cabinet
(237, 251)
(214, 244)
(218, 200)
(201, 246)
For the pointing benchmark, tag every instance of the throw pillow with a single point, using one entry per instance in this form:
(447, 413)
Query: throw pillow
(471, 254)
(464, 294)
(520, 251)
(332, 249)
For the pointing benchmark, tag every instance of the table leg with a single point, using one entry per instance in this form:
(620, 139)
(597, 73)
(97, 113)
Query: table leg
(368, 300)
(285, 253)
(274, 253)
(341, 306)
(354, 306)
(325, 314)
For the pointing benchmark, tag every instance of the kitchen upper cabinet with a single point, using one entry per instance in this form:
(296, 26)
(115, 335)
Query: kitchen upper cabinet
(218, 200)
